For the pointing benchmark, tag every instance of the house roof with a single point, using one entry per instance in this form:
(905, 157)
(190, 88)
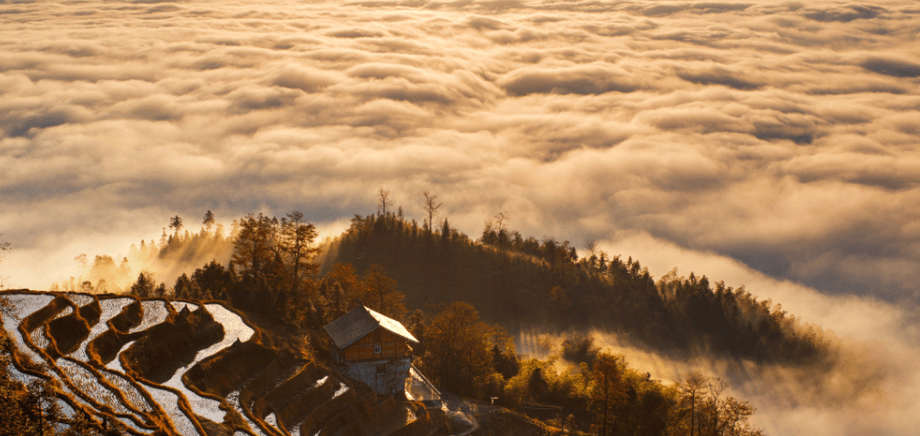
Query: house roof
(356, 324)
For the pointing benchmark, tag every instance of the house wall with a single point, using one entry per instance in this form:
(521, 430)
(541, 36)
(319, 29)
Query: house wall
(385, 376)
(391, 346)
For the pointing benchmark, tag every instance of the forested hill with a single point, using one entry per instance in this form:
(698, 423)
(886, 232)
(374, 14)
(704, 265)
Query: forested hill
(523, 282)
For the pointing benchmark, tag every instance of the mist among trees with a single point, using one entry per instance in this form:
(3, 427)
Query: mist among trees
(464, 298)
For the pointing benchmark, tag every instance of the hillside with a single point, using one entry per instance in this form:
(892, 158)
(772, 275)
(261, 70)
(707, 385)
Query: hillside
(522, 283)
(157, 366)
(240, 348)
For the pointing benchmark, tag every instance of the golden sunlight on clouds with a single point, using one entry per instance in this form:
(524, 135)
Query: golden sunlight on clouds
(776, 133)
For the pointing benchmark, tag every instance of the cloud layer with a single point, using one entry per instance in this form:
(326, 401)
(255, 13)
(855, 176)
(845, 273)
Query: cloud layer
(779, 134)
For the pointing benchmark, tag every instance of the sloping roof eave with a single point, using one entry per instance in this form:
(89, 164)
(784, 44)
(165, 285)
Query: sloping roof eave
(361, 321)
(412, 339)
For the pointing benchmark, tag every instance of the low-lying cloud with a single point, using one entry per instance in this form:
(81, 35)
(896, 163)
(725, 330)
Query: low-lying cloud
(872, 389)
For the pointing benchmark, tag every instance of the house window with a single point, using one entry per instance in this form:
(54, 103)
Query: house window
(376, 348)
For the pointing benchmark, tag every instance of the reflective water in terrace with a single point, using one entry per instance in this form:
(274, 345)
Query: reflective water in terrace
(110, 308)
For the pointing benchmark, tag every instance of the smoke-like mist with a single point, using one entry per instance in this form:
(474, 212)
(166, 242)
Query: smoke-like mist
(874, 387)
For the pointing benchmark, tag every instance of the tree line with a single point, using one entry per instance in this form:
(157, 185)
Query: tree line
(517, 280)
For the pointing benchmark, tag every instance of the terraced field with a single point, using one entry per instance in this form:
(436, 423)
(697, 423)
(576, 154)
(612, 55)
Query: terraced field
(186, 368)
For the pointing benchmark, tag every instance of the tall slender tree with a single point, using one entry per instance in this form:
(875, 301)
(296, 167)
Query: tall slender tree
(384, 201)
(692, 390)
(608, 391)
(297, 241)
(431, 208)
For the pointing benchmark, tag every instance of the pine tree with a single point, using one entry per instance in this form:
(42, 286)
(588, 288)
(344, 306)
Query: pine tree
(175, 223)
(145, 286)
(208, 220)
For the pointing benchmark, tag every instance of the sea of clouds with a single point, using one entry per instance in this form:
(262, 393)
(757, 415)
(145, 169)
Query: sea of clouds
(766, 143)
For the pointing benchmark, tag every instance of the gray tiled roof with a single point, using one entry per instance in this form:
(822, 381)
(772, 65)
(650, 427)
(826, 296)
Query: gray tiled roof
(359, 322)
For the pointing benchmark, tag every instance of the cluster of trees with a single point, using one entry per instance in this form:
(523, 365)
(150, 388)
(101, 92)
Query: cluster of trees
(517, 280)
(273, 261)
(550, 251)
(270, 271)
(461, 353)
(271, 274)
(176, 252)
(624, 402)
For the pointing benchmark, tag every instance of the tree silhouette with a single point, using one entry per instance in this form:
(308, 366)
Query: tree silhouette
(145, 286)
(692, 390)
(379, 292)
(609, 391)
(431, 208)
(297, 240)
(458, 348)
(175, 223)
(208, 220)
(384, 201)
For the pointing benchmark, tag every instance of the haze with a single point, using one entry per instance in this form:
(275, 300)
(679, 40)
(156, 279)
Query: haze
(772, 144)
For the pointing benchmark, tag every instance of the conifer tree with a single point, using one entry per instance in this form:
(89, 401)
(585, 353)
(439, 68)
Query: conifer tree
(145, 286)
(175, 223)
(208, 220)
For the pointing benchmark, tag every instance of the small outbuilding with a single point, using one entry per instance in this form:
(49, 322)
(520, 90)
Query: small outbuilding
(375, 349)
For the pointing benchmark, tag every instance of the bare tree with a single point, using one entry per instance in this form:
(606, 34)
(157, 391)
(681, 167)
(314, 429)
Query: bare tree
(591, 246)
(4, 246)
(431, 207)
(500, 229)
(384, 201)
(81, 260)
(715, 405)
